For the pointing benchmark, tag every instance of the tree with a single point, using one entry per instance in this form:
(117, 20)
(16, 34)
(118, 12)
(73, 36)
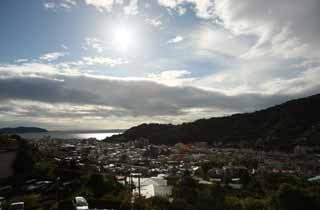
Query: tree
(25, 160)
(159, 203)
(232, 203)
(97, 184)
(101, 185)
(290, 197)
(186, 188)
(180, 204)
(251, 203)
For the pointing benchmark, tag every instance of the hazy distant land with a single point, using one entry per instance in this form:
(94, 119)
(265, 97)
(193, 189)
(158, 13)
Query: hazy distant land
(22, 130)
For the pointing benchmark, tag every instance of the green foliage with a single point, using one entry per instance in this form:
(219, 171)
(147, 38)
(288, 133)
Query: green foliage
(289, 197)
(7, 140)
(159, 203)
(25, 159)
(101, 185)
(45, 168)
(205, 200)
(297, 195)
(252, 186)
(31, 201)
(141, 203)
(251, 203)
(186, 188)
(180, 204)
(270, 182)
(232, 203)
(281, 126)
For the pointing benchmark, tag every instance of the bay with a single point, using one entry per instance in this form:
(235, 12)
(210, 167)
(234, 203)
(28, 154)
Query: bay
(99, 135)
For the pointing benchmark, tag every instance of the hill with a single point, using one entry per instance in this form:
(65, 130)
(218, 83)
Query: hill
(22, 130)
(291, 123)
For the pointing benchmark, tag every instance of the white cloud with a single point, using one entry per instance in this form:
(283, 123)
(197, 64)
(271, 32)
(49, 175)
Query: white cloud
(52, 56)
(131, 8)
(49, 5)
(307, 80)
(168, 3)
(154, 22)
(203, 8)
(101, 5)
(217, 40)
(176, 40)
(172, 77)
(94, 43)
(267, 48)
(21, 60)
(284, 28)
(99, 60)
(34, 69)
(59, 4)
(181, 10)
(64, 47)
(45, 92)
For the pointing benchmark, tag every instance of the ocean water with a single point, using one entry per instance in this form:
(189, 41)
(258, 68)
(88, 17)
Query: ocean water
(69, 135)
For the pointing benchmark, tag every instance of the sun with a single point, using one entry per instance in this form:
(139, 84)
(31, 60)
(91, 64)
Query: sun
(123, 38)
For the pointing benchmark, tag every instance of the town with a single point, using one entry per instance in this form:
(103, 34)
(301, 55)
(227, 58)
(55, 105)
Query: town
(144, 170)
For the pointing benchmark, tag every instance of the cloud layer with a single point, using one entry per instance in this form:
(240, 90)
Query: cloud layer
(58, 95)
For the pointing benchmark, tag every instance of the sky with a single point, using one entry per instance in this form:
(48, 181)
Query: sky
(106, 64)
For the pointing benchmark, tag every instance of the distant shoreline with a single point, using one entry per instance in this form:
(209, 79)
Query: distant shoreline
(99, 135)
(22, 129)
(89, 131)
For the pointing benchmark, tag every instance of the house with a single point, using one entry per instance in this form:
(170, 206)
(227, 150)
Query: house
(153, 190)
(153, 186)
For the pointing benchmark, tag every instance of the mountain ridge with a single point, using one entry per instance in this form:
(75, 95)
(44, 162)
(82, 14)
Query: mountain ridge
(293, 122)
(22, 130)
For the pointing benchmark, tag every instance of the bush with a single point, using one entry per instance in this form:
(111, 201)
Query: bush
(254, 204)
(31, 201)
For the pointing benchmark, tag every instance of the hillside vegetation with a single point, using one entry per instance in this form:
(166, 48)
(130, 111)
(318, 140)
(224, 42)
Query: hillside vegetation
(291, 123)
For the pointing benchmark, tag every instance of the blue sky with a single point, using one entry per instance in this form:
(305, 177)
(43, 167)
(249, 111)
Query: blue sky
(96, 64)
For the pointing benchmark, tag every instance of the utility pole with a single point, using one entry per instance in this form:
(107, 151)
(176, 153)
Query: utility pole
(57, 190)
(139, 185)
(132, 193)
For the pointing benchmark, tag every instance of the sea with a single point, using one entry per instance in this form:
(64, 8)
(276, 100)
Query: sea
(99, 135)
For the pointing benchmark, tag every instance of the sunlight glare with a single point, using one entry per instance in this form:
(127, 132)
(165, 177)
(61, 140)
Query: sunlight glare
(123, 38)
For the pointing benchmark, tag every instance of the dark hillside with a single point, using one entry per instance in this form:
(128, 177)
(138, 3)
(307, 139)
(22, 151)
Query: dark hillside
(22, 130)
(294, 122)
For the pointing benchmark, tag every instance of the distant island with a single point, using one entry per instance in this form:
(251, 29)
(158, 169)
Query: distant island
(292, 123)
(22, 130)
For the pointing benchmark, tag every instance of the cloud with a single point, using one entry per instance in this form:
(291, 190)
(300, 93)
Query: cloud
(52, 56)
(21, 60)
(168, 3)
(177, 39)
(210, 39)
(46, 92)
(270, 48)
(137, 96)
(103, 5)
(181, 10)
(154, 22)
(29, 70)
(203, 8)
(99, 60)
(131, 8)
(94, 43)
(64, 47)
(59, 4)
(283, 28)
(49, 5)
(172, 77)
